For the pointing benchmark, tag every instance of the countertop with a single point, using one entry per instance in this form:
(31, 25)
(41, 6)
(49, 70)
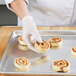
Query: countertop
(5, 33)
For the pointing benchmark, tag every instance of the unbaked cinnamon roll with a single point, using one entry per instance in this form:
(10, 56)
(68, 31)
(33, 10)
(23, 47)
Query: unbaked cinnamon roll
(42, 47)
(22, 63)
(23, 48)
(73, 51)
(21, 42)
(61, 66)
(55, 42)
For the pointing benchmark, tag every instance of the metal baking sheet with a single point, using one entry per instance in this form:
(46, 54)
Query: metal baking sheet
(40, 63)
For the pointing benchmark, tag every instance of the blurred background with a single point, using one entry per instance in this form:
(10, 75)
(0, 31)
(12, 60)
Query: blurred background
(7, 17)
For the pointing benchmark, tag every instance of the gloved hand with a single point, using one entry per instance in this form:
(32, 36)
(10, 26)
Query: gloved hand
(29, 32)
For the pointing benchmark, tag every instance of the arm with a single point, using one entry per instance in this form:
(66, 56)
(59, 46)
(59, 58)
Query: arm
(29, 30)
(20, 8)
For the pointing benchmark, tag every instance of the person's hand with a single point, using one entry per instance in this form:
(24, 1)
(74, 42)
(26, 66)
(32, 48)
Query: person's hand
(30, 33)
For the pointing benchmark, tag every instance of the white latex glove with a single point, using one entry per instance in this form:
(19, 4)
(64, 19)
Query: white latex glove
(29, 32)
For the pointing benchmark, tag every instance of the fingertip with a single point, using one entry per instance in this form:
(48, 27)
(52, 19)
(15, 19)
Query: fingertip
(39, 40)
(32, 39)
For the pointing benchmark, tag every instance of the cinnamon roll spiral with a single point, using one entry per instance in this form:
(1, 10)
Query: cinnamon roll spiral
(42, 47)
(21, 42)
(61, 66)
(22, 63)
(73, 51)
(55, 41)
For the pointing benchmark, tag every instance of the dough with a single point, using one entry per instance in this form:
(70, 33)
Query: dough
(21, 42)
(42, 47)
(55, 42)
(22, 63)
(61, 66)
(73, 51)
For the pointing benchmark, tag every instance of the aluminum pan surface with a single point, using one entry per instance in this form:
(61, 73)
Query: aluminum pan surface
(40, 65)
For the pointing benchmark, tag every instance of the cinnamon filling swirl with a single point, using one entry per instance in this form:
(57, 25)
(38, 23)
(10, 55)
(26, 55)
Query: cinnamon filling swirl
(62, 64)
(20, 38)
(74, 49)
(55, 39)
(43, 45)
(22, 61)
